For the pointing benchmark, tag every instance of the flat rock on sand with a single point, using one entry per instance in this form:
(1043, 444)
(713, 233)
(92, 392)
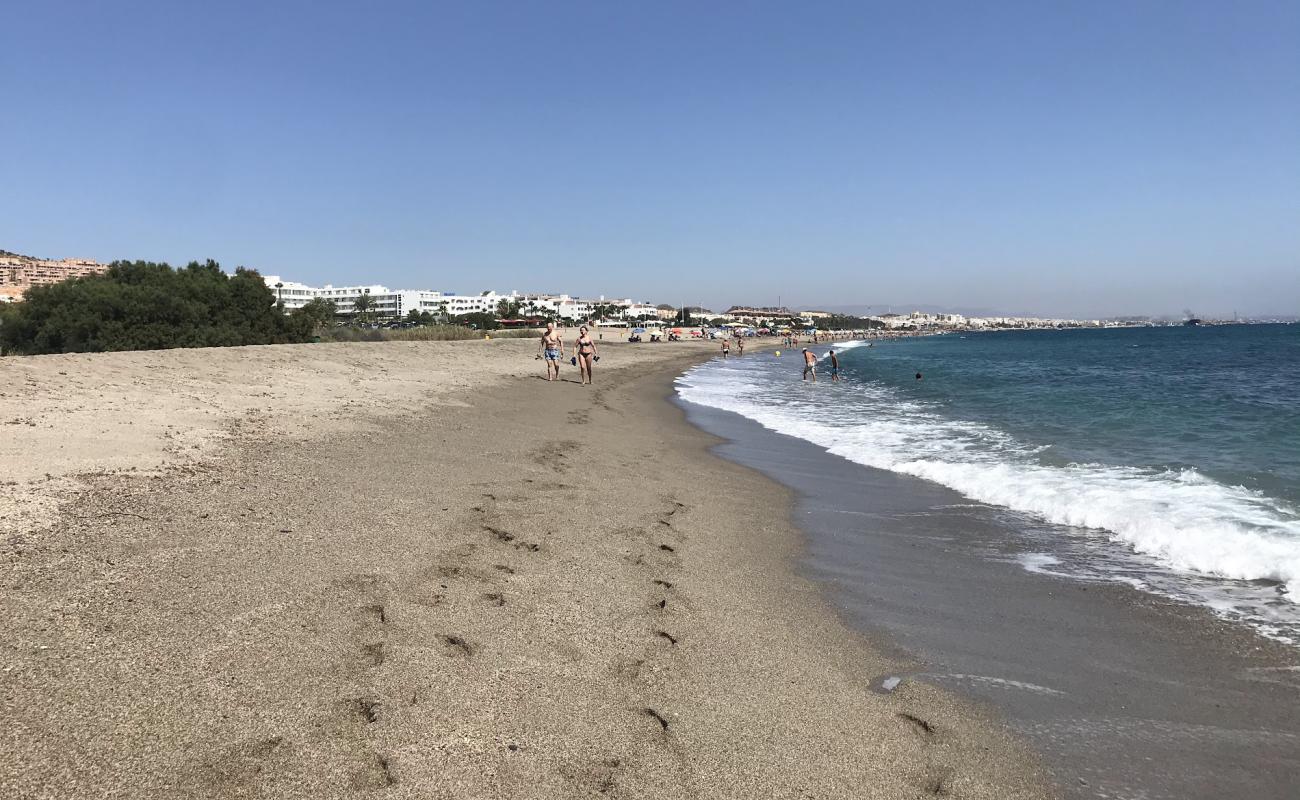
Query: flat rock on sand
(507, 589)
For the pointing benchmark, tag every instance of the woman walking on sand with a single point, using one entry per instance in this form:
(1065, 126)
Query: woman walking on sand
(586, 354)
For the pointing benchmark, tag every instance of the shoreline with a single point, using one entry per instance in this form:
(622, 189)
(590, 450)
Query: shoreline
(1123, 693)
(520, 590)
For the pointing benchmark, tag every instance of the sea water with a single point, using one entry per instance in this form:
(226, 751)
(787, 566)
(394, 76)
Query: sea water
(1168, 458)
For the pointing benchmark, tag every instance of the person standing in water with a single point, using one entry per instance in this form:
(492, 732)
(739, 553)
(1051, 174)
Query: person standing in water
(586, 354)
(726, 348)
(740, 345)
(552, 349)
(835, 366)
(809, 365)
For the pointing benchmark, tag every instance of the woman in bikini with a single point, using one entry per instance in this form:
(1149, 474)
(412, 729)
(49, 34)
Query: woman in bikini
(586, 354)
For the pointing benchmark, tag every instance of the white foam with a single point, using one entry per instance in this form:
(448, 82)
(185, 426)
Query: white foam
(1004, 682)
(1039, 562)
(1182, 519)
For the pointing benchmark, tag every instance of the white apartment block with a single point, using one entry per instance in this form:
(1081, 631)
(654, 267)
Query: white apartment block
(291, 293)
(400, 302)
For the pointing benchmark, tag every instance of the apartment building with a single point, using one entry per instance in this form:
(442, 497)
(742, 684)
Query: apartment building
(20, 272)
(754, 313)
(385, 302)
(400, 302)
(291, 293)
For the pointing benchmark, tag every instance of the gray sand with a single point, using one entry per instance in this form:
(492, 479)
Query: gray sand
(528, 590)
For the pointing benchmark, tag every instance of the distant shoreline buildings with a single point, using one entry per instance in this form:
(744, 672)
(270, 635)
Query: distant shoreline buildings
(19, 273)
(397, 303)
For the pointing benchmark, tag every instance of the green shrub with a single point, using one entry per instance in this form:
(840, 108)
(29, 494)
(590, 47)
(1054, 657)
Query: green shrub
(139, 305)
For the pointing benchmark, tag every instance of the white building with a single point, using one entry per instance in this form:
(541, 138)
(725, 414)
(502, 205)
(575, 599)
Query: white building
(291, 293)
(641, 310)
(387, 302)
(400, 302)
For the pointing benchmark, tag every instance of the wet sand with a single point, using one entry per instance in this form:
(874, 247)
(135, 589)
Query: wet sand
(1123, 693)
(481, 585)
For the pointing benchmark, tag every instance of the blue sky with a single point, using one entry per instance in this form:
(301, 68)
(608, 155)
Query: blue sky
(1063, 158)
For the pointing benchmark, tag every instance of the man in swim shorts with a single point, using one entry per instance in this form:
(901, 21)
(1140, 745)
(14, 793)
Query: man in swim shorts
(809, 365)
(835, 366)
(552, 349)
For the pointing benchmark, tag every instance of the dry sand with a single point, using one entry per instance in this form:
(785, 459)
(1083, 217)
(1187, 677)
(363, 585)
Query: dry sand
(418, 570)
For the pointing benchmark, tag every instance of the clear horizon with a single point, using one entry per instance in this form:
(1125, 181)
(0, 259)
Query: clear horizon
(1076, 159)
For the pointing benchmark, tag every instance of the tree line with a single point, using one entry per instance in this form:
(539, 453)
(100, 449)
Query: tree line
(141, 305)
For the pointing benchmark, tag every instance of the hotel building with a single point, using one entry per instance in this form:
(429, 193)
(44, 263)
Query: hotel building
(18, 273)
(394, 303)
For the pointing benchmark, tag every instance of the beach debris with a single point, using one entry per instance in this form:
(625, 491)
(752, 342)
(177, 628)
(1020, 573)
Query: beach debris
(656, 716)
(672, 640)
(922, 727)
(891, 683)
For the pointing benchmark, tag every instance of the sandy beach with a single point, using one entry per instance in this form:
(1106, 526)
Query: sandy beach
(420, 570)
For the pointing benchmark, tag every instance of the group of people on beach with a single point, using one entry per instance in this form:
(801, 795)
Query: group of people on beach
(552, 350)
(726, 346)
(810, 365)
(809, 357)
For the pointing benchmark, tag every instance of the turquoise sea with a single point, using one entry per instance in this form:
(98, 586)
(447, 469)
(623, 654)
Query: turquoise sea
(1168, 458)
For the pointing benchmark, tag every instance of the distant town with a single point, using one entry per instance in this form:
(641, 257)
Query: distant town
(391, 306)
